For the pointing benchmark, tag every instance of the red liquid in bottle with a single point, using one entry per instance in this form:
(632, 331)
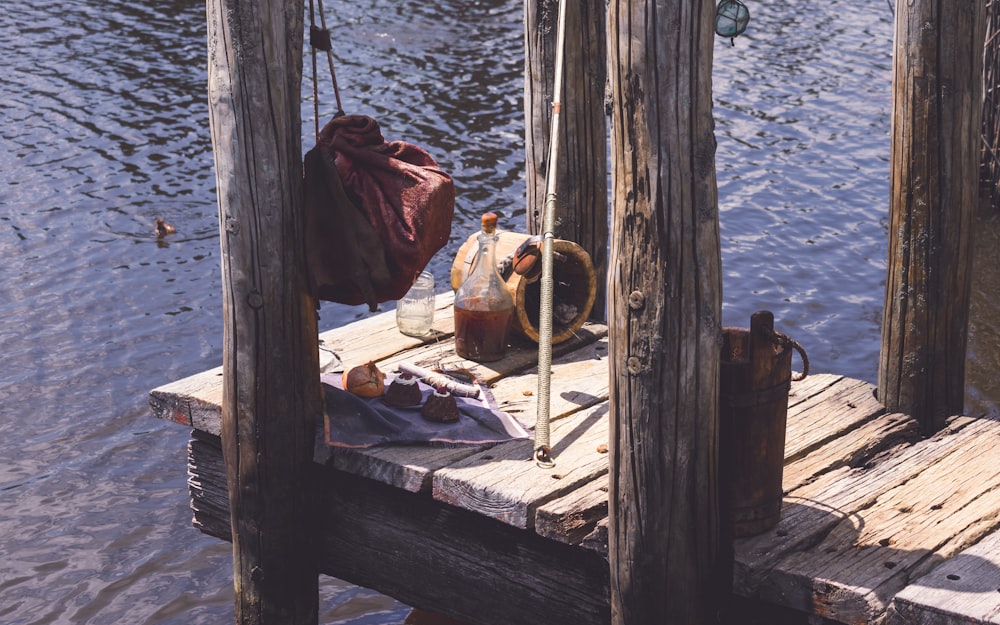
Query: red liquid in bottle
(481, 335)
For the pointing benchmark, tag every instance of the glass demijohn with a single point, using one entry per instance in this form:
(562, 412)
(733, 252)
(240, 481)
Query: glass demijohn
(484, 307)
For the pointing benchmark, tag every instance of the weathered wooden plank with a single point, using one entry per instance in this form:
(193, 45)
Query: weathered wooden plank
(579, 380)
(850, 488)
(504, 482)
(411, 467)
(560, 519)
(964, 590)
(522, 355)
(821, 417)
(207, 484)
(196, 400)
(854, 572)
(407, 467)
(851, 449)
(814, 384)
(457, 562)
(377, 337)
(851, 539)
(811, 511)
(574, 516)
(597, 539)
(429, 554)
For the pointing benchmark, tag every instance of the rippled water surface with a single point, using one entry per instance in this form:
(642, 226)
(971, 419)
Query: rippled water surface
(105, 127)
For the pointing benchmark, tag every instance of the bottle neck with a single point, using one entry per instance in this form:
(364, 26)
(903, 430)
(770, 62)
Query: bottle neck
(487, 252)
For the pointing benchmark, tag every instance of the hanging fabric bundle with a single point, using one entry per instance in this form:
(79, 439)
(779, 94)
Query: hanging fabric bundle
(376, 211)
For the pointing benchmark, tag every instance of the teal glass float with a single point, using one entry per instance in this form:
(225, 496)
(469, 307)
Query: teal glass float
(731, 19)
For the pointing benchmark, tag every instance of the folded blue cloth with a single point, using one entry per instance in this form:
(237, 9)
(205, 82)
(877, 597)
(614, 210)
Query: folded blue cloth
(353, 421)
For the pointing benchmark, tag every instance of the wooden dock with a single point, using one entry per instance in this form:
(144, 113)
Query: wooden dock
(878, 524)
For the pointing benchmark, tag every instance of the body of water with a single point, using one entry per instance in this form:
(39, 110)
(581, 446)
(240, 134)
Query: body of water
(105, 127)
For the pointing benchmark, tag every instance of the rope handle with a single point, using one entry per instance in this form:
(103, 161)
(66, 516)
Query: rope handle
(319, 39)
(786, 341)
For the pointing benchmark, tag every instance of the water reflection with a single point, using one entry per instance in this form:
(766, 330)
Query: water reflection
(803, 109)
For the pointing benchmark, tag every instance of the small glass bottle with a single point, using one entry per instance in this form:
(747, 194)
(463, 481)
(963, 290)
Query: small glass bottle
(415, 311)
(484, 307)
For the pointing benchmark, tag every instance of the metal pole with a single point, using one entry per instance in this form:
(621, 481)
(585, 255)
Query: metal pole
(542, 447)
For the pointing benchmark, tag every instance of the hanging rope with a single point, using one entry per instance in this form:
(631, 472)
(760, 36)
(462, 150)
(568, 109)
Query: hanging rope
(542, 446)
(319, 39)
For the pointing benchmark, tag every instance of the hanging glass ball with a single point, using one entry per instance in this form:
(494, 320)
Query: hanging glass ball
(731, 18)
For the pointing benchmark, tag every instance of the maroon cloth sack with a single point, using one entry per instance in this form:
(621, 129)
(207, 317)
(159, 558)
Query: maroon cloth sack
(376, 212)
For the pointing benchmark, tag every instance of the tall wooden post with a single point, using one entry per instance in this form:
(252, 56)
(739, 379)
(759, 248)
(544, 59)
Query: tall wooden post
(582, 178)
(989, 166)
(937, 108)
(271, 393)
(665, 315)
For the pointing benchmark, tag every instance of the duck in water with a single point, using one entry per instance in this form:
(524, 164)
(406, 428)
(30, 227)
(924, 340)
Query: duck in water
(162, 228)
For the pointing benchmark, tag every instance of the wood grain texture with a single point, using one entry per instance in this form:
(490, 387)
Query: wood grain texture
(664, 301)
(582, 168)
(816, 419)
(813, 509)
(411, 467)
(377, 337)
(934, 191)
(270, 385)
(579, 379)
(854, 536)
(576, 515)
(863, 490)
(964, 590)
(428, 554)
(522, 354)
(853, 448)
(505, 483)
(875, 495)
(197, 399)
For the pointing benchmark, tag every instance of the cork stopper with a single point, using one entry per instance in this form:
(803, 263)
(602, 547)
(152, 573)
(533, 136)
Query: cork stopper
(489, 223)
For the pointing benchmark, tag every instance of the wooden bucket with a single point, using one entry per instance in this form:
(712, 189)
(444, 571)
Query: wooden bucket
(573, 292)
(755, 378)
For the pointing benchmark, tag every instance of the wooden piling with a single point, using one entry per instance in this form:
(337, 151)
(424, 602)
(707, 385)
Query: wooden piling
(989, 166)
(664, 307)
(271, 394)
(582, 183)
(937, 104)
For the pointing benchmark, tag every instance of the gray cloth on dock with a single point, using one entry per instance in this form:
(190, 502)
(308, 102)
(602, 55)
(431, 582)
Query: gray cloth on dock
(353, 421)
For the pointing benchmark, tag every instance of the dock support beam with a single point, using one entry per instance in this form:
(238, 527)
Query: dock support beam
(271, 390)
(582, 177)
(665, 301)
(934, 193)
